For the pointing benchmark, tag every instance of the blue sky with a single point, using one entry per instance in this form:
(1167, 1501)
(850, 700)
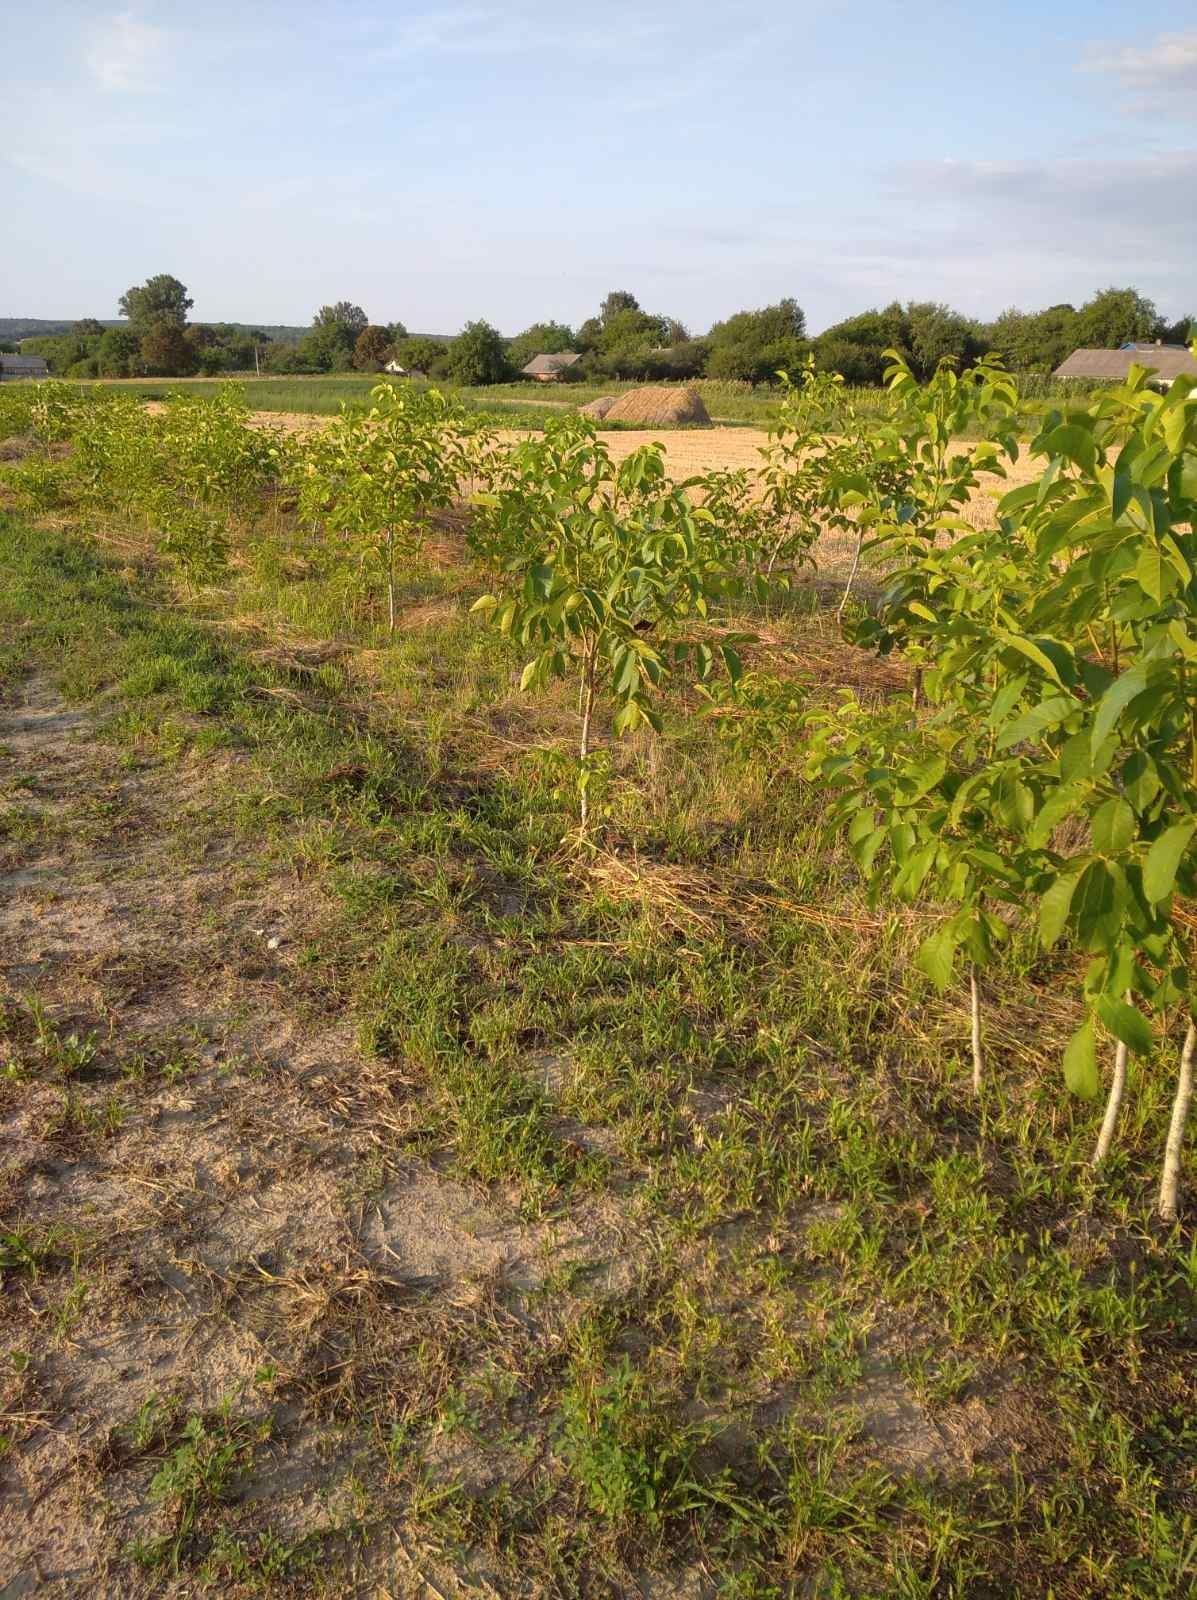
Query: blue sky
(515, 160)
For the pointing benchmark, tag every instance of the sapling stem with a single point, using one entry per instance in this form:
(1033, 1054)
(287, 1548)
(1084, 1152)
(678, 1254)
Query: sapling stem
(1109, 1122)
(1170, 1175)
(588, 672)
(839, 615)
(974, 993)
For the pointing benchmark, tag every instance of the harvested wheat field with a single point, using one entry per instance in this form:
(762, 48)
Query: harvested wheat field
(692, 452)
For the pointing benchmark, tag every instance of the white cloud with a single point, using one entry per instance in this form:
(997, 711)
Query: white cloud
(1162, 72)
(124, 54)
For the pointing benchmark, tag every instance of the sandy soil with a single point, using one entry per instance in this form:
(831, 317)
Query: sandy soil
(196, 1165)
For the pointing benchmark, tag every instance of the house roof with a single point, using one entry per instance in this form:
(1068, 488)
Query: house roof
(11, 363)
(1167, 361)
(540, 366)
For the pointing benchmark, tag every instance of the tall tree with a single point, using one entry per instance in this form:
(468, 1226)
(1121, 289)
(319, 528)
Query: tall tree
(329, 346)
(1115, 317)
(372, 349)
(119, 354)
(618, 300)
(935, 331)
(341, 313)
(165, 351)
(478, 355)
(161, 299)
(421, 354)
(754, 345)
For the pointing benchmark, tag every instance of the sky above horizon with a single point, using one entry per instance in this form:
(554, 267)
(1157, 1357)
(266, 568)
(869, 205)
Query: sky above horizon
(517, 161)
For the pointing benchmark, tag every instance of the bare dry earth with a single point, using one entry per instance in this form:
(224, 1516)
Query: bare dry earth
(226, 1228)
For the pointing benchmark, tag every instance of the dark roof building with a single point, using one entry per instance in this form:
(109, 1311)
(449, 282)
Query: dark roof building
(1165, 361)
(549, 368)
(16, 368)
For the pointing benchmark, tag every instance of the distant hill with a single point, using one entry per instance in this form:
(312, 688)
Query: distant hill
(13, 329)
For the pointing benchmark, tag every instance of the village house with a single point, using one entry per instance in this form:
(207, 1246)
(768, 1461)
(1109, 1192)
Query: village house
(548, 369)
(1166, 362)
(17, 369)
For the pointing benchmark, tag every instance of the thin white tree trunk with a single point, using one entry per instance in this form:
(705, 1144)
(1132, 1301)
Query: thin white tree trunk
(839, 616)
(584, 749)
(975, 1007)
(1109, 1122)
(1170, 1176)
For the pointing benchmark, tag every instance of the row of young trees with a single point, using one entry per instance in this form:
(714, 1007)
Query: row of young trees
(1041, 780)
(622, 341)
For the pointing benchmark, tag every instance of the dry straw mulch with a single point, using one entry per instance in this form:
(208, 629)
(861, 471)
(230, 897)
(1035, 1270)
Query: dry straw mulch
(657, 406)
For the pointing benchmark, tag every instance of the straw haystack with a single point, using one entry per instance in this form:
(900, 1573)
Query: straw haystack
(599, 407)
(657, 405)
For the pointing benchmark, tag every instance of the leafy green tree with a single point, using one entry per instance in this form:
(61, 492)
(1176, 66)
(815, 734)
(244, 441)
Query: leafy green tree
(1182, 331)
(88, 327)
(1114, 704)
(753, 346)
(372, 349)
(165, 351)
(599, 570)
(342, 314)
(478, 355)
(617, 301)
(676, 363)
(396, 333)
(375, 476)
(542, 338)
(1033, 341)
(627, 344)
(856, 348)
(422, 354)
(119, 353)
(159, 300)
(936, 333)
(1113, 318)
(329, 346)
(859, 364)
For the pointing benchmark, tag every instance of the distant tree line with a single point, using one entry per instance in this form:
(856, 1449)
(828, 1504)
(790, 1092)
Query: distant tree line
(623, 341)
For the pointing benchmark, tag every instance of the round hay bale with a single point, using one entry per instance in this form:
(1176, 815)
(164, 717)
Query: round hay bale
(599, 407)
(657, 405)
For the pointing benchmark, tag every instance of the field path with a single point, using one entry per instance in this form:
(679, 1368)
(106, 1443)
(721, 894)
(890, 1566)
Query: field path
(190, 1161)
